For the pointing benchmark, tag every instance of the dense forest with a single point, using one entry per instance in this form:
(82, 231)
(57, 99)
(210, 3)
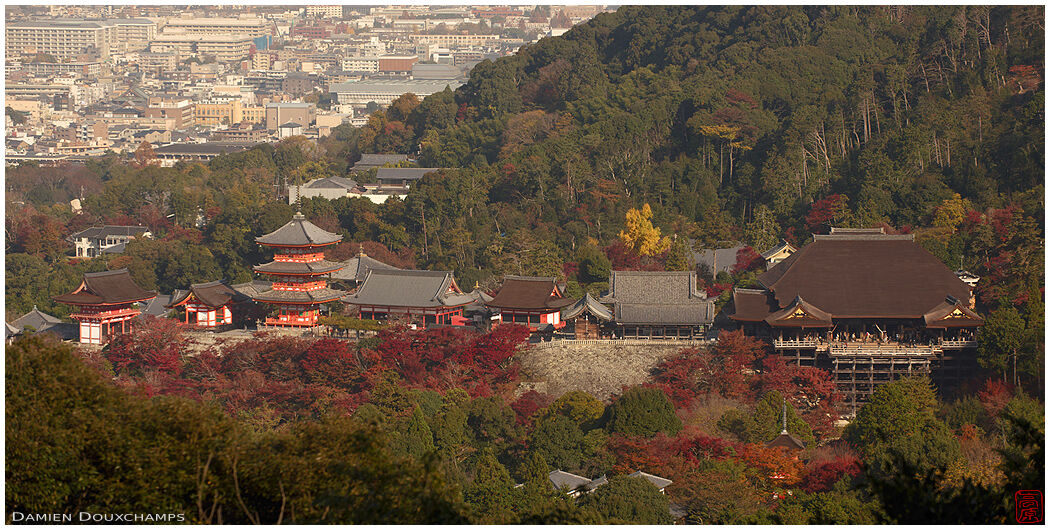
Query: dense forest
(624, 144)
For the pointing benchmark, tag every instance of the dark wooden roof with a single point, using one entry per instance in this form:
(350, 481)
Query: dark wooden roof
(750, 305)
(800, 314)
(299, 233)
(211, 294)
(786, 440)
(103, 288)
(525, 292)
(952, 314)
(864, 275)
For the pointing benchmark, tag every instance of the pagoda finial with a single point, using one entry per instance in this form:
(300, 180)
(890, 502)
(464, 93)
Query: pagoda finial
(476, 285)
(298, 216)
(360, 249)
(784, 415)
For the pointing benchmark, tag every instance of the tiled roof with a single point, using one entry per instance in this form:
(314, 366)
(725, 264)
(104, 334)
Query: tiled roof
(864, 275)
(355, 268)
(658, 297)
(295, 267)
(525, 292)
(562, 479)
(212, 294)
(37, 319)
(109, 287)
(299, 232)
(315, 296)
(408, 288)
(588, 304)
(331, 183)
(786, 440)
(659, 482)
(102, 232)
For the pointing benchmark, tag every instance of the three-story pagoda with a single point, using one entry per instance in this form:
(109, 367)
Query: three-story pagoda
(298, 272)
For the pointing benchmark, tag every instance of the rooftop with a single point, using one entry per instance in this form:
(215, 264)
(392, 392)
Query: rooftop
(299, 232)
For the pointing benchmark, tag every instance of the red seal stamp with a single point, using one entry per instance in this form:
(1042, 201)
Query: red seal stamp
(1028, 506)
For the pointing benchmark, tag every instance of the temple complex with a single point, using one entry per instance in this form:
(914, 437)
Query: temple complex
(535, 302)
(106, 304)
(424, 297)
(869, 306)
(298, 273)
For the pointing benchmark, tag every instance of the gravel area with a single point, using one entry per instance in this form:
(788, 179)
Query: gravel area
(599, 368)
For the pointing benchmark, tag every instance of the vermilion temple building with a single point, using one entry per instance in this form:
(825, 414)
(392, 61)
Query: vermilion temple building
(208, 305)
(424, 297)
(106, 304)
(298, 273)
(532, 301)
(870, 306)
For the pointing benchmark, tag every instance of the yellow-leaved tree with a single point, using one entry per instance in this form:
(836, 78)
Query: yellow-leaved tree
(641, 235)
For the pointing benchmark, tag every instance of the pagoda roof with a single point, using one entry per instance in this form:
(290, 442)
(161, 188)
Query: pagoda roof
(658, 297)
(786, 440)
(355, 268)
(108, 287)
(298, 267)
(587, 304)
(211, 294)
(316, 296)
(299, 233)
(529, 292)
(800, 314)
(409, 288)
(864, 274)
(10, 331)
(952, 314)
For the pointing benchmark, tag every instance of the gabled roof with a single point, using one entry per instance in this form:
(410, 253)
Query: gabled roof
(299, 232)
(800, 314)
(355, 268)
(658, 297)
(864, 275)
(10, 331)
(158, 306)
(408, 288)
(108, 287)
(102, 232)
(37, 319)
(529, 292)
(331, 183)
(587, 304)
(565, 480)
(781, 247)
(952, 314)
(211, 294)
(659, 482)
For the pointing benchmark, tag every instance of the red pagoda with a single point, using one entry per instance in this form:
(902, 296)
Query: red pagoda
(105, 304)
(298, 272)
